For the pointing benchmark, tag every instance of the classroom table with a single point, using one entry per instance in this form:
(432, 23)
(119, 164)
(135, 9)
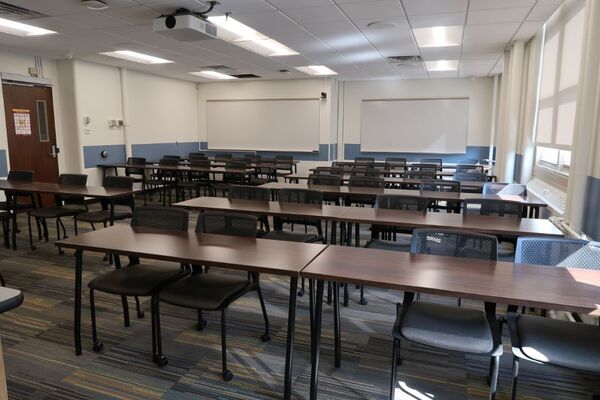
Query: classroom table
(230, 252)
(393, 172)
(389, 180)
(408, 164)
(97, 192)
(575, 290)
(175, 168)
(9, 299)
(532, 203)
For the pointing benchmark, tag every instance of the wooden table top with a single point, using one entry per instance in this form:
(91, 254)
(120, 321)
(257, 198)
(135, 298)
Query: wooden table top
(408, 163)
(493, 225)
(400, 171)
(75, 190)
(179, 168)
(274, 208)
(248, 254)
(388, 179)
(530, 200)
(576, 290)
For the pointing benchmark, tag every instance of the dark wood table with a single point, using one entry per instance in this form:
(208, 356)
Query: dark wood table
(575, 290)
(97, 192)
(394, 172)
(231, 252)
(9, 299)
(532, 202)
(172, 168)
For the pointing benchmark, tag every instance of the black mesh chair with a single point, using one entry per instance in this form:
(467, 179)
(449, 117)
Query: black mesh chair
(103, 215)
(172, 157)
(197, 155)
(231, 178)
(396, 162)
(326, 180)
(470, 176)
(329, 171)
(140, 280)
(436, 161)
(163, 179)
(468, 161)
(559, 343)
(362, 171)
(284, 164)
(470, 168)
(364, 160)
(65, 206)
(196, 180)
(138, 174)
(364, 182)
(446, 327)
(213, 291)
(441, 185)
(391, 241)
(223, 156)
(243, 192)
(252, 158)
(431, 168)
(18, 201)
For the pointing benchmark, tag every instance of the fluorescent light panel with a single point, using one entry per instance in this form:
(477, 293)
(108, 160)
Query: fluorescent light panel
(134, 56)
(439, 36)
(316, 70)
(244, 36)
(213, 75)
(21, 29)
(441, 65)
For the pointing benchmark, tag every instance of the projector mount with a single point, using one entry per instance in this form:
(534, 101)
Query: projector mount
(202, 14)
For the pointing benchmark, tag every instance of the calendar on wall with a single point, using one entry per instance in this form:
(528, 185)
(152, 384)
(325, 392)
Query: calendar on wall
(22, 121)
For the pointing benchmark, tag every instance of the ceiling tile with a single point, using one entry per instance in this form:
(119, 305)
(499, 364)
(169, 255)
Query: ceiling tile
(427, 20)
(499, 4)
(495, 16)
(377, 11)
(316, 15)
(420, 7)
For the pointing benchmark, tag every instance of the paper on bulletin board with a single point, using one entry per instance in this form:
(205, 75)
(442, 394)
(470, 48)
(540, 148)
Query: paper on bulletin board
(22, 121)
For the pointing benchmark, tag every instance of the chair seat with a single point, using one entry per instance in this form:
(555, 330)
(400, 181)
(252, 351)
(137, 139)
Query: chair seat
(448, 327)
(205, 291)
(293, 237)
(402, 244)
(561, 343)
(20, 206)
(55, 212)
(9, 299)
(102, 216)
(135, 280)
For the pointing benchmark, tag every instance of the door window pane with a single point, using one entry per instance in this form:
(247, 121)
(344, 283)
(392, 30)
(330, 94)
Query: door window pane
(42, 120)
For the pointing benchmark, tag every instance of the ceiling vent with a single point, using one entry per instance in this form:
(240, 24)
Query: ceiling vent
(16, 12)
(405, 60)
(246, 76)
(217, 68)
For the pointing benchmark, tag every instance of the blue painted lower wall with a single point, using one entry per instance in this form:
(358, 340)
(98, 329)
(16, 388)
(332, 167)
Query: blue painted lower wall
(92, 157)
(3, 163)
(518, 167)
(591, 214)
(352, 150)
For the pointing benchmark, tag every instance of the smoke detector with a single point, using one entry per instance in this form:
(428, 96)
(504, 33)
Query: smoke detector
(95, 5)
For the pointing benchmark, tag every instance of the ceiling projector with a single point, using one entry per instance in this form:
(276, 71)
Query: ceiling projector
(185, 26)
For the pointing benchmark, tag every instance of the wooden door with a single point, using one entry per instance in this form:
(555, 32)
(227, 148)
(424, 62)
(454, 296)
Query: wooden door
(30, 127)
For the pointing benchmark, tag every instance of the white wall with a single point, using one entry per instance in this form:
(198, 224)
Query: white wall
(480, 92)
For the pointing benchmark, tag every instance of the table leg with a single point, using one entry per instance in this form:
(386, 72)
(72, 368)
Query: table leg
(10, 199)
(333, 232)
(112, 212)
(337, 325)
(316, 342)
(77, 316)
(289, 350)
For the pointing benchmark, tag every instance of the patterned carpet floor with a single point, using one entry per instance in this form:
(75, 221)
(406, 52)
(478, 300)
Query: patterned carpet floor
(41, 363)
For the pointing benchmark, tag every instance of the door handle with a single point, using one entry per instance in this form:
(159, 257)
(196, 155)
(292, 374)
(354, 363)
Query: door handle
(54, 152)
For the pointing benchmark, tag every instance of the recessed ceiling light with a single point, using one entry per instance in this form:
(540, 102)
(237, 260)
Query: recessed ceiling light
(316, 70)
(21, 29)
(213, 75)
(95, 5)
(381, 25)
(134, 56)
(441, 65)
(244, 36)
(439, 36)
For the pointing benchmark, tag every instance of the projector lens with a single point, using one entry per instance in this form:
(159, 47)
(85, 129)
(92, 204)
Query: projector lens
(170, 22)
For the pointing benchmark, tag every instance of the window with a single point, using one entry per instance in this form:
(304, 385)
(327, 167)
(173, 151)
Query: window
(557, 102)
(42, 120)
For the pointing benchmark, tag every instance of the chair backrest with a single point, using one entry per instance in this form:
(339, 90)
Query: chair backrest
(196, 163)
(304, 196)
(20, 175)
(171, 162)
(497, 207)
(358, 171)
(470, 176)
(436, 161)
(366, 182)
(135, 161)
(419, 175)
(236, 165)
(171, 157)
(71, 179)
(324, 180)
(244, 192)
(253, 158)
(364, 160)
(121, 182)
(329, 171)
(284, 157)
(558, 252)
(439, 185)
(469, 168)
(196, 154)
(223, 156)
(454, 243)
(401, 202)
(424, 167)
(468, 161)
(338, 164)
(170, 218)
(227, 224)
(396, 161)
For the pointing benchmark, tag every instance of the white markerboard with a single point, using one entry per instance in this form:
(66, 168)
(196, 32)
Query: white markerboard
(415, 125)
(276, 124)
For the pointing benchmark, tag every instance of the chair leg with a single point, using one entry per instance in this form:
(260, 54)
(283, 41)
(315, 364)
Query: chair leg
(227, 375)
(138, 308)
(75, 226)
(494, 382)
(363, 301)
(266, 336)
(515, 376)
(2, 281)
(39, 228)
(5, 229)
(30, 232)
(63, 228)
(45, 228)
(125, 311)
(60, 251)
(201, 321)
(158, 358)
(346, 296)
(301, 291)
(395, 355)
(98, 345)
